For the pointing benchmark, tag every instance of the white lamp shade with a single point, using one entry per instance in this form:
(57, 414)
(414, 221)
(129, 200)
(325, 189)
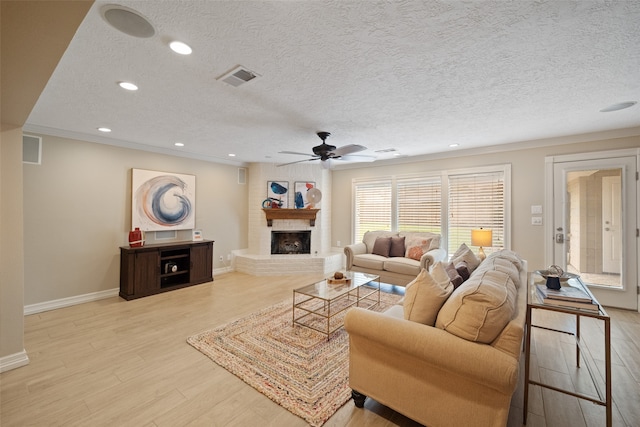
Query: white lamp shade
(482, 237)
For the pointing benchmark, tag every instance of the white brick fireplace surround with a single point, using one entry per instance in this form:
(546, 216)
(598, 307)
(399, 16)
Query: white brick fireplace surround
(257, 259)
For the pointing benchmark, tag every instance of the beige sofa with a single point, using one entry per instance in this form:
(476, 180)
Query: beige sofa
(395, 270)
(430, 373)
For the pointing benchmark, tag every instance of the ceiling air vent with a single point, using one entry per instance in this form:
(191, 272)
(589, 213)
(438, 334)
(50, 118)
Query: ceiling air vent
(237, 76)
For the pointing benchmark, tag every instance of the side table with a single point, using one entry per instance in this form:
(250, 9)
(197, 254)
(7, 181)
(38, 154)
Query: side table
(535, 302)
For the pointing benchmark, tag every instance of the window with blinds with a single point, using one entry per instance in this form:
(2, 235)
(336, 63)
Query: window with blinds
(451, 204)
(372, 207)
(475, 200)
(419, 204)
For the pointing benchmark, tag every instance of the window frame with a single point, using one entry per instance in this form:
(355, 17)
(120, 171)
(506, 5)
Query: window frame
(444, 175)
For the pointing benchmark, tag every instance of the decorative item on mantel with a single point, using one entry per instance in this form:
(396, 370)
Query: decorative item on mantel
(136, 238)
(271, 203)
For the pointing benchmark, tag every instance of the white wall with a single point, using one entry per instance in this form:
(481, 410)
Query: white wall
(527, 185)
(77, 213)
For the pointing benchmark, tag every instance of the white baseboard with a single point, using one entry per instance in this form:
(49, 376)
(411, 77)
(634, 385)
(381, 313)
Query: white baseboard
(67, 302)
(14, 361)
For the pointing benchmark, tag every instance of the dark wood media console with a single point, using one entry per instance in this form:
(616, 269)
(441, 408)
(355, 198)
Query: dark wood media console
(156, 268)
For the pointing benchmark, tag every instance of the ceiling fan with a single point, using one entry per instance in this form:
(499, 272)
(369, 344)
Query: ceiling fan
(327, 153)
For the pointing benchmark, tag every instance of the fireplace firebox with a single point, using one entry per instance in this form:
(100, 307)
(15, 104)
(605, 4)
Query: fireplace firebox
(290, 242)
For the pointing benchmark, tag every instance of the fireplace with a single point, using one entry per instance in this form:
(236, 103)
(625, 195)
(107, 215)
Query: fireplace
(290, 242)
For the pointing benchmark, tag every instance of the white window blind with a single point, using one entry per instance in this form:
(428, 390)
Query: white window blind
(372, 207)
(419, 204)
(476, 200)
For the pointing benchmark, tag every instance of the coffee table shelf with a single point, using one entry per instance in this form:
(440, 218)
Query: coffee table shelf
(318, 306)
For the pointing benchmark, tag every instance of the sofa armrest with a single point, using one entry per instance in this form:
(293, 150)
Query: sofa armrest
(430, 258)
(434, 348)
(351, 250)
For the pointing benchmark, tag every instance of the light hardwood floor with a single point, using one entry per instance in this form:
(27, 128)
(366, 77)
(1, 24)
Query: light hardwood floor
(127, 363)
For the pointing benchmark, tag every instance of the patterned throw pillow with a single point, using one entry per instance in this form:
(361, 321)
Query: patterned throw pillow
(416, 247)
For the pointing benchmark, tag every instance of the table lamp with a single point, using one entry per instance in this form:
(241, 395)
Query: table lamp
(481, 237)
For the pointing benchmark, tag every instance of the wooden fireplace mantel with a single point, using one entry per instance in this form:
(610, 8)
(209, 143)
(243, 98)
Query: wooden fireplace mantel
(303, 214)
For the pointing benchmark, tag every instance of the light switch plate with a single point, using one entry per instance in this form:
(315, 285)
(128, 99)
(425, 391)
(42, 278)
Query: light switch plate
(536, 220)
(536, 209)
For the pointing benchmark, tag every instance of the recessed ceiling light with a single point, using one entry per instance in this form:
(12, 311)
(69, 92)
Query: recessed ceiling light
(127, 85)
(179, 144)
(231, 155)
(619, 106)
(106, 130)
(453, 145)
(181, 48)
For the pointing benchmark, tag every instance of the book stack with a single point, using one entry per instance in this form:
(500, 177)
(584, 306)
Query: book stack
(567, 296)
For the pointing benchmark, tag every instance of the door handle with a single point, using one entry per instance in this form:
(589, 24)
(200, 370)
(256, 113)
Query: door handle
(606, 229)
(559, 238)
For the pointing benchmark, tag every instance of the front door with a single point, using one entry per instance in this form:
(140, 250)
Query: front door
(594, 223)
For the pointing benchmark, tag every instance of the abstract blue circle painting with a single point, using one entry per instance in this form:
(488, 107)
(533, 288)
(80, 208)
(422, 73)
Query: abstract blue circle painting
(162, 201)
(279, 190)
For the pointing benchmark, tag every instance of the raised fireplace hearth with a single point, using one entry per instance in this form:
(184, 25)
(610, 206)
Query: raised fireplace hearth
(290, 242)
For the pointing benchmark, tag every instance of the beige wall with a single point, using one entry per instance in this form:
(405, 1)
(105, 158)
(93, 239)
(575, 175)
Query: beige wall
(11, 246)
(27, 61)
(527, 186)
(77, 212)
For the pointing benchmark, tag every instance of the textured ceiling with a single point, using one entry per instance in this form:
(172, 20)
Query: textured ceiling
(416, 76)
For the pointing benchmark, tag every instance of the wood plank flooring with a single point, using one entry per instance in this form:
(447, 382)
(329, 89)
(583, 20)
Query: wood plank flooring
(127, 363)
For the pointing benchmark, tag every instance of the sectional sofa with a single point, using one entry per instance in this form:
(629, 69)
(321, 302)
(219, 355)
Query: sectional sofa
(445, 357)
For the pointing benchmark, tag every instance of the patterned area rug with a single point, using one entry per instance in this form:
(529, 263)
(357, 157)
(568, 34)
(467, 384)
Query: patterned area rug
(296, 367)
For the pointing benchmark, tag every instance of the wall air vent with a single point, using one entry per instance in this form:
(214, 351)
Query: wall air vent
(238, 76)
(386, 150)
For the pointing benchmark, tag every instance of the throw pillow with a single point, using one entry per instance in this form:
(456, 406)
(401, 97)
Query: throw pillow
(416, 247)
(397, 247)
(440, 275)
(456, 279)
(463, 270)
(481, 308)
(381, 246)
(465, 254)
(423, 298)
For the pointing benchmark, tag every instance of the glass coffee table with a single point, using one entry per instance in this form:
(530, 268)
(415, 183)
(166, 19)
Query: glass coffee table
(321, 306)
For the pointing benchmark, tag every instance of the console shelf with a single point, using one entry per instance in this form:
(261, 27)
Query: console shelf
(152, 269)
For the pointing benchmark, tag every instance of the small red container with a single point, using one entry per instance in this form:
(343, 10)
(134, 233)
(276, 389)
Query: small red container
(135, 238)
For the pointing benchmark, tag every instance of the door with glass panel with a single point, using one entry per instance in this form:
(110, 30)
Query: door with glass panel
(594, 226)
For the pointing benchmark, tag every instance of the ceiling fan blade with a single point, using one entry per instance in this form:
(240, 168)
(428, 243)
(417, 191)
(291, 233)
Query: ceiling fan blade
(297, 161)
(358, 158)
(295, 152)
(348, 149)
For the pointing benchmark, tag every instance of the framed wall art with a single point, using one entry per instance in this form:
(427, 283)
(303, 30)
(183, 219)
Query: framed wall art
(279, 190)
(300, 189)
(162, 200)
